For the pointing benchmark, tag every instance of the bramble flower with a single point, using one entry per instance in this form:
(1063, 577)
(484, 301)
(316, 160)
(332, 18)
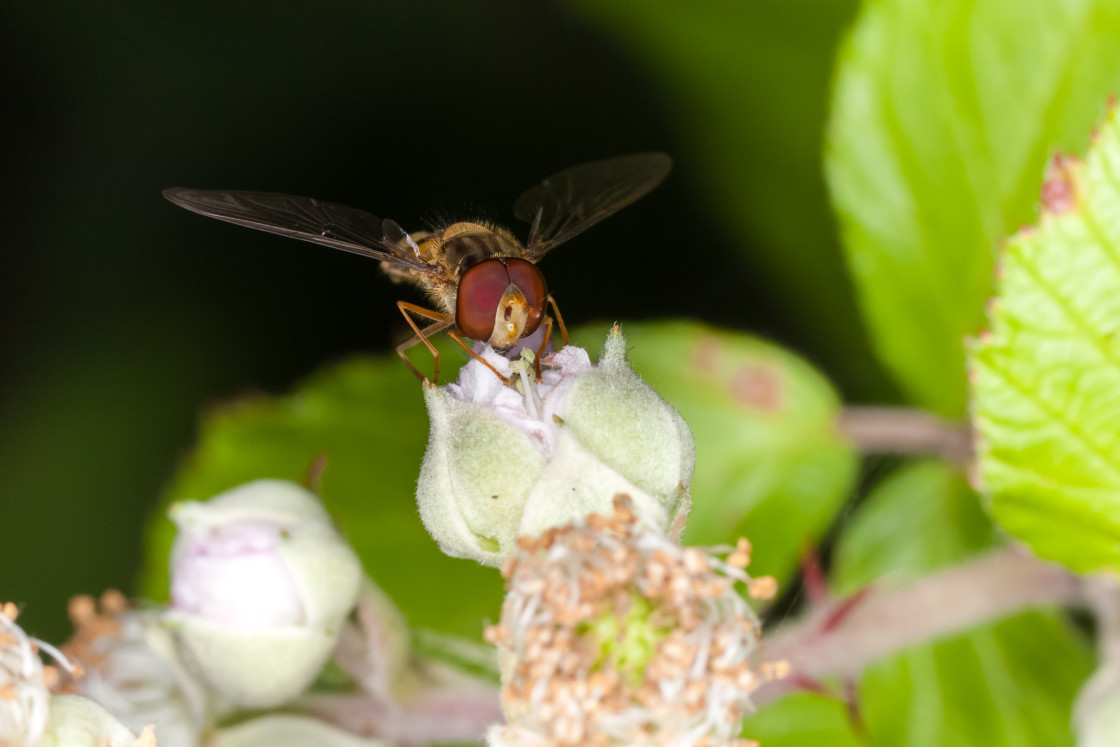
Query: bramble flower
(129, 667)
(506, 460)
(611, 634)
(24, 696)
(260, 584)
(31, 717)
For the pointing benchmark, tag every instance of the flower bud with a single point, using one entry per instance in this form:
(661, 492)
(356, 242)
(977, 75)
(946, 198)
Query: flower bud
(79, 722)
(506, 460)
(260, 585)
(23, 688)
(1097, 715)
(286, 730)
(611, 634)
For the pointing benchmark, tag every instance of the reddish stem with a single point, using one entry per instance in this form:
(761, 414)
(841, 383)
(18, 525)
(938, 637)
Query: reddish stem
(903, 430)
(883, 622)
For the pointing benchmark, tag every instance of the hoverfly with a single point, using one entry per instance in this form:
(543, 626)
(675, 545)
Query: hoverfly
(483, 281)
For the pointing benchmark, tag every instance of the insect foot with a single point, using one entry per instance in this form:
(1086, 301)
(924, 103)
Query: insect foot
(511, 460)
(261, 584)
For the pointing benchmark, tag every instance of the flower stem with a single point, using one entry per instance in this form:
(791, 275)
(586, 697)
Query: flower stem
(883, 622)
(904, 430)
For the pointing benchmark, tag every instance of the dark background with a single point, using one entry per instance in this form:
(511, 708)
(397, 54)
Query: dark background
(123, 316)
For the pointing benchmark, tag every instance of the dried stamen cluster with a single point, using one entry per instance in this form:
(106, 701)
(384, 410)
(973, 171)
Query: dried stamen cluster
(95, 632)
(612, 634)
(23, 683)
(126, 665)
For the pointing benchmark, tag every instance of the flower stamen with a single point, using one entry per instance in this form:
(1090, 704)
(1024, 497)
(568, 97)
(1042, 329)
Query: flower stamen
(612, 635)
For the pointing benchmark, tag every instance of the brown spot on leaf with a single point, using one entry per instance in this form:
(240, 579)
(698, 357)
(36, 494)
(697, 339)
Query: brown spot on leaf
(758, 387)
(705, 358)
(1059, 188)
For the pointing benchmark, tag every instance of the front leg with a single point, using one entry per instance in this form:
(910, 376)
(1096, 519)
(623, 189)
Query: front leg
(442, 322)
(559, 319)
(455, 336)
(544, 345)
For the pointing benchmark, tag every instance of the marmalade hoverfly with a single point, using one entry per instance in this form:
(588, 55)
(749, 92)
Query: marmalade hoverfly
(483, 281)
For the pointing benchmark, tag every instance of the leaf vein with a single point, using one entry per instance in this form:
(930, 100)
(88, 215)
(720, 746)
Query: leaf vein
(1090, 333)
(1057, 416)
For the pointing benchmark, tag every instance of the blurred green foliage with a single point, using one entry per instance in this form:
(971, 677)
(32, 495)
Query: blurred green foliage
(804, 720)
(769, 462)
(943, 116)
(1009, 682)
(747, 82)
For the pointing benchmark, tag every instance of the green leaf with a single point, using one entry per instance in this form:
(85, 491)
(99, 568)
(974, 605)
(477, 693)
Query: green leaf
(944, 113)
(367, 416)
(1010, 682)
(803, 720)
(769, 463)
(922, 517)
(1046, 378)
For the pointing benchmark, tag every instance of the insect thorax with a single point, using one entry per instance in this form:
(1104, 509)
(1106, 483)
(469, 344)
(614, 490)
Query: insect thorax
(461, 246)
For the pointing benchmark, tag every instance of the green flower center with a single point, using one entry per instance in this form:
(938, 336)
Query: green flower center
(626, 644)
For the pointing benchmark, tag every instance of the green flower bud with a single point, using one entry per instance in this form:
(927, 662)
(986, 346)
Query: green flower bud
(1097, 715)
(284, 730)
(79, 722)
(505, 461)
(261, 584)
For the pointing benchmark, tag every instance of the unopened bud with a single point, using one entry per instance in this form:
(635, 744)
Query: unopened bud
(1097, 715)
(79, 722)
(510, 460)
(287, 730)
(261, 584)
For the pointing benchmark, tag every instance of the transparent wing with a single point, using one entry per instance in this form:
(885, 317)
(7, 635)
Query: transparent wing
(337, 226)
(571, 201)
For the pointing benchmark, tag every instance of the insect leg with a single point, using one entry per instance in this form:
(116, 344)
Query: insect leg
(455, 336)
(442, 321)
(544, 344)
(559, 319)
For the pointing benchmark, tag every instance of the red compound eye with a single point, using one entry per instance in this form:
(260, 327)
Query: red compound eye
(529, 279)
(480, 291)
